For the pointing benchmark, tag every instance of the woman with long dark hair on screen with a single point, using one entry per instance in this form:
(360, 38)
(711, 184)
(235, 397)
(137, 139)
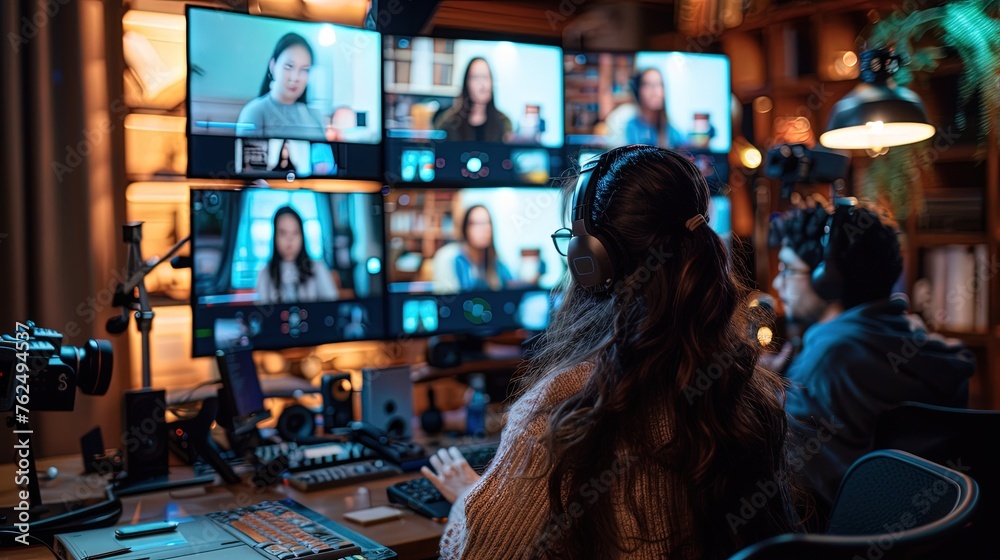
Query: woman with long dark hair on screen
(650, 124)
(642, 425)
(280, 111)
(291, 276)
(284, 158)
(476, 264)
(474, 116)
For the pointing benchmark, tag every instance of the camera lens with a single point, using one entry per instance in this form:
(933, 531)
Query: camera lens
(93, 364)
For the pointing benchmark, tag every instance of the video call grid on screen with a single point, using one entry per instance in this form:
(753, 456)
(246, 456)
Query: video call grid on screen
(461, 111)
(686, 97)
(474, 260)
(291, 267)
(314, 112)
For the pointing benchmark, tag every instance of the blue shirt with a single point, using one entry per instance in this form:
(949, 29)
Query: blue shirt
(638, 131)
(472, 277)
(851, 369)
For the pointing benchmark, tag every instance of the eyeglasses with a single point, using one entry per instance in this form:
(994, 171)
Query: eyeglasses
(785, 270)
(561, 240)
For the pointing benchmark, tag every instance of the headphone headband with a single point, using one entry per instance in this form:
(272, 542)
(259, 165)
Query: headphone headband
(828, 278)
(595, 258)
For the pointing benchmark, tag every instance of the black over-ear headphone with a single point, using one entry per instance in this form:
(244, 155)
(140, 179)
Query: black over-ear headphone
(590, 253)
(828, 277)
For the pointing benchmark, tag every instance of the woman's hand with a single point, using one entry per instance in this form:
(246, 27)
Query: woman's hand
(453, 474)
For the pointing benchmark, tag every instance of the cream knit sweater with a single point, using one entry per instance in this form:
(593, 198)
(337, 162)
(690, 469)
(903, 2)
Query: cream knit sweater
(503, 514)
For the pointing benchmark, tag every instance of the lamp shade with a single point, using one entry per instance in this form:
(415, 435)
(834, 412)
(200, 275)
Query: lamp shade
(875, 116)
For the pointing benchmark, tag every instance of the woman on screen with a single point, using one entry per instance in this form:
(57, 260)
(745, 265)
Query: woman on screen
(284, 159)
(291, 276)
(281, 110)
(476, 265)
(474, 117)
(650, 124)
(619, 444)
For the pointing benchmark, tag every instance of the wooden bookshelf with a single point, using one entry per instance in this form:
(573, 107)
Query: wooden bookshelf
(791, 72)
(930, 239)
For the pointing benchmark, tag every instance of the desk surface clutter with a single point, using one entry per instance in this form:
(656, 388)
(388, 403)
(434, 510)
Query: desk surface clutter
(409, 535)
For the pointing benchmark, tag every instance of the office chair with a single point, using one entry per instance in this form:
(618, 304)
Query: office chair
(891, 505)
(961, 439)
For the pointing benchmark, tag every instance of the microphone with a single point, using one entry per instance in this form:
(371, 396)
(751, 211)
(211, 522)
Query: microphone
(118, 323)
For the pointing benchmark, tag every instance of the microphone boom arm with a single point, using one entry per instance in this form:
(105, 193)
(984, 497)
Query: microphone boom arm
(137, 277)
(125, 292)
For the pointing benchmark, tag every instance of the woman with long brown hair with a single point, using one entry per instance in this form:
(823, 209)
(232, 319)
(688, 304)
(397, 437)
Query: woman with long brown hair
(474, 117)
(643, 428)
(476, 264)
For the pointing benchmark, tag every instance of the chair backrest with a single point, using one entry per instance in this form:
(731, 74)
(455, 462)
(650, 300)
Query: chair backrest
(888, 491)
(891, 505)
(964, 440)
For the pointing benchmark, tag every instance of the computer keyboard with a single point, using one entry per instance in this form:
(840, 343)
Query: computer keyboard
(340, 475)
(280, 533)
(313, 456)
(421, 496)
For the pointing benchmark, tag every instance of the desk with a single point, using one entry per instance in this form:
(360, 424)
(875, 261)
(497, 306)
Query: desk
(412, 537)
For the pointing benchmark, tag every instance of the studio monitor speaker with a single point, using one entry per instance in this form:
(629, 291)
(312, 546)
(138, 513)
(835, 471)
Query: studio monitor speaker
(387, 399)
(297, 424)
(145, 433)
(338, 401)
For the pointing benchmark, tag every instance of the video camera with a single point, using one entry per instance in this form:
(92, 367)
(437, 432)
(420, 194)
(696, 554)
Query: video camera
(796, 163)
(36, 359)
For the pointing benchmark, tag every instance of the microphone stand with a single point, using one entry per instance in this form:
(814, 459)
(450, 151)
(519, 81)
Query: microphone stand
(125, 293)
(199, 428)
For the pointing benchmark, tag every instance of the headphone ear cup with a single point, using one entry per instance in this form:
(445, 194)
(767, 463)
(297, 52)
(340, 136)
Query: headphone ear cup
(827, 281)
(590, 263)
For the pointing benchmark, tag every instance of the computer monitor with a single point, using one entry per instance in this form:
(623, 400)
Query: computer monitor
(466, 111)
(472, 261)
(294, 267)
(277, 98)
(720, 217)
(675, 100)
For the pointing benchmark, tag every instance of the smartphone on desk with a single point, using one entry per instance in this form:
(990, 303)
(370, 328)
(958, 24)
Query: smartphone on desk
(134, 531)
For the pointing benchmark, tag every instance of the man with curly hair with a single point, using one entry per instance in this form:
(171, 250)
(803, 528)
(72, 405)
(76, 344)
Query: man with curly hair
(868, 358)
(798, 234)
